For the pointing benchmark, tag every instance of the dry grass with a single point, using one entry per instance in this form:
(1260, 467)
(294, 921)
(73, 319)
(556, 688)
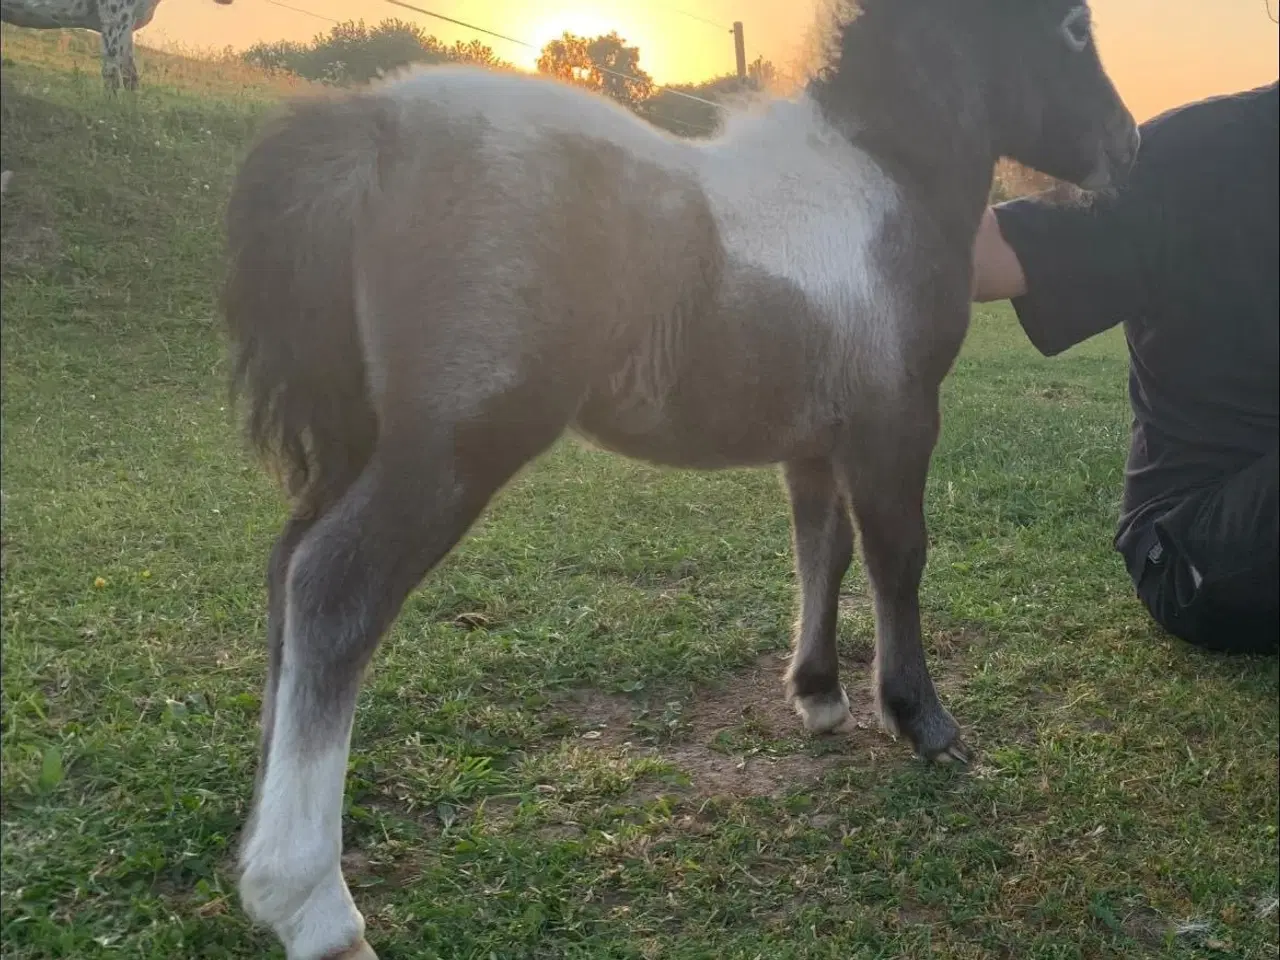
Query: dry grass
(208, 73)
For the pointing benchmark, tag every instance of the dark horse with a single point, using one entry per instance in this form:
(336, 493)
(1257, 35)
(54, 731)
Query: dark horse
(433, 279)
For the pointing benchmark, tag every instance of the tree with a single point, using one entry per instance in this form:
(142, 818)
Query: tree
(605, 64)
(354, 53)
(1012, 180)
(475, 52)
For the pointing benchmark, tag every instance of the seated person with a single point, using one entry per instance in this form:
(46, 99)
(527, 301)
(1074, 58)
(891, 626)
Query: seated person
(1185, 256)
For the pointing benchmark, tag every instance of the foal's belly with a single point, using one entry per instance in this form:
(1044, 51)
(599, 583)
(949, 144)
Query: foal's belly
(677, 437)
(700, 440)
(748, 386)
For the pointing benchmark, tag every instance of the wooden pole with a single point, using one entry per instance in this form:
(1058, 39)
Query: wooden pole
(740, 50)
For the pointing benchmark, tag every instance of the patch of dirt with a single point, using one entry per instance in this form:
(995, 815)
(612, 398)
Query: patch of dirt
(1146, 926)
(1059, 394)
(949, 642)
(499, 812)
(754, 700)
(602, 717)
(554, 832)
(742, 740)
(355, 861)
(911, 913)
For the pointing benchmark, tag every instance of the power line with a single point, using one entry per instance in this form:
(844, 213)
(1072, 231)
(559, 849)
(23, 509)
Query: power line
(694, 16)
(462, 23)
(318, 16)
(529, 46)
(612, 73)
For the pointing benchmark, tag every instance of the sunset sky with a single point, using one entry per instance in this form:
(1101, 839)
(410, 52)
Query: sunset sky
(1160, 52)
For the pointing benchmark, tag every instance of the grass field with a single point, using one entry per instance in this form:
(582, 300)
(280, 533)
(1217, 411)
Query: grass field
(573, 745)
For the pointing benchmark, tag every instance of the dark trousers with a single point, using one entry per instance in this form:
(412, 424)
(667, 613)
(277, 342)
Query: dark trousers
(1210, 574)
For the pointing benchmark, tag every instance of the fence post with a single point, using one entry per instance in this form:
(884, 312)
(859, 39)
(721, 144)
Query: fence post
(740, 50)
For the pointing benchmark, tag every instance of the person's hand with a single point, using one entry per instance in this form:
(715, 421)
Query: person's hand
(997, 274)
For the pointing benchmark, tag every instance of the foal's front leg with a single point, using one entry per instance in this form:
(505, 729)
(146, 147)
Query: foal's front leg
(823, 549)
(885, 476)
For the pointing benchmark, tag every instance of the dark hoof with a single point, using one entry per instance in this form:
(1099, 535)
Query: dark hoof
(958, 752)
(932, 731)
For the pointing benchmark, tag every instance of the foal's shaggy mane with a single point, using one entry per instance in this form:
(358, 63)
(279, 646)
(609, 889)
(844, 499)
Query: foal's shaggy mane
(894, 79)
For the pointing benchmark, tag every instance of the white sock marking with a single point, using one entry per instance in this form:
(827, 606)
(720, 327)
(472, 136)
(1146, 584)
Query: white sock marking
(292, 877)
(821, 715)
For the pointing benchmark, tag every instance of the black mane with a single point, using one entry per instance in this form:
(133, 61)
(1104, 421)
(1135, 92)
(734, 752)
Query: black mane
(906, 82)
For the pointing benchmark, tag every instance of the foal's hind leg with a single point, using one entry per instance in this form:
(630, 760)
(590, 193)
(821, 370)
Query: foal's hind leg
(299, 523)
(277, 580)
(886, 472)
(823, 549)
(347, 579)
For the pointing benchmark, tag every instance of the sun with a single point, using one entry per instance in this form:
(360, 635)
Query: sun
(581, 20)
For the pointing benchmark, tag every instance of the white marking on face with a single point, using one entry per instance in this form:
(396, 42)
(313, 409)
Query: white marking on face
(1075, 28)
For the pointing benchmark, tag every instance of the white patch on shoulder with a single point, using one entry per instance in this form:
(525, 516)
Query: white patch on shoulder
(796, 199)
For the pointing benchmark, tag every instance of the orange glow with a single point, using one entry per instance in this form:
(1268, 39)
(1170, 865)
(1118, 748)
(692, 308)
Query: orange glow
(1160, 52)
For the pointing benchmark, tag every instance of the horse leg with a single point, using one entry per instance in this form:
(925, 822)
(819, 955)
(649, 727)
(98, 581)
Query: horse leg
(303, 519)
(823, 547)
(885, 472)
(344, 584)
(277, 579)
(117, 43)
(128, 66)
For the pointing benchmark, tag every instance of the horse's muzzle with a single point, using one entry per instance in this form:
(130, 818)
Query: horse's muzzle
(1116, 155)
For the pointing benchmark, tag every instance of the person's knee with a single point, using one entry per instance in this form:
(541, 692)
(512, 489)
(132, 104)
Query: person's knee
(1212, 616)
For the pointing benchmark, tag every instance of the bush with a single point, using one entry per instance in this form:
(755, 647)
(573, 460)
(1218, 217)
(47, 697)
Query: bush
(352, 53)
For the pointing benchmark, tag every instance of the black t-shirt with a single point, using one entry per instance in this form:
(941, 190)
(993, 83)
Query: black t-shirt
(1185, 256)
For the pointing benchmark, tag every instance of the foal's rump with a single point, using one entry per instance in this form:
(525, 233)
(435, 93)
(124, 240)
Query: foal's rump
(439, 240)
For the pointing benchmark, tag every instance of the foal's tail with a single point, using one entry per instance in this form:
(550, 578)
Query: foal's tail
(289, 296)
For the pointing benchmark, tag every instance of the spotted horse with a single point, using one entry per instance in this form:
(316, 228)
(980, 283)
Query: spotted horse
(116, 20)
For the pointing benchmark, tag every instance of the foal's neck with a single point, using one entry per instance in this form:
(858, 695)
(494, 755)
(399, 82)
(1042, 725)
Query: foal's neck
(914, 98)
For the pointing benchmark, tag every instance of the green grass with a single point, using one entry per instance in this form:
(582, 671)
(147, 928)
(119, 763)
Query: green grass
(1124, 802)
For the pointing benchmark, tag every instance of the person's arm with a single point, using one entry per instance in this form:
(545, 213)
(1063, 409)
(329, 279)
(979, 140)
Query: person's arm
(1073, 264)
(997, 272)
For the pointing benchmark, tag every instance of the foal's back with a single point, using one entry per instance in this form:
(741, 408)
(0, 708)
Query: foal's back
(719, 302)
(543, 223)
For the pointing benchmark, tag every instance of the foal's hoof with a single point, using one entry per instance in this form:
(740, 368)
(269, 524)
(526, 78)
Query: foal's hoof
(357, 951)
(957, 752)
(933, 733)
(824, 712)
